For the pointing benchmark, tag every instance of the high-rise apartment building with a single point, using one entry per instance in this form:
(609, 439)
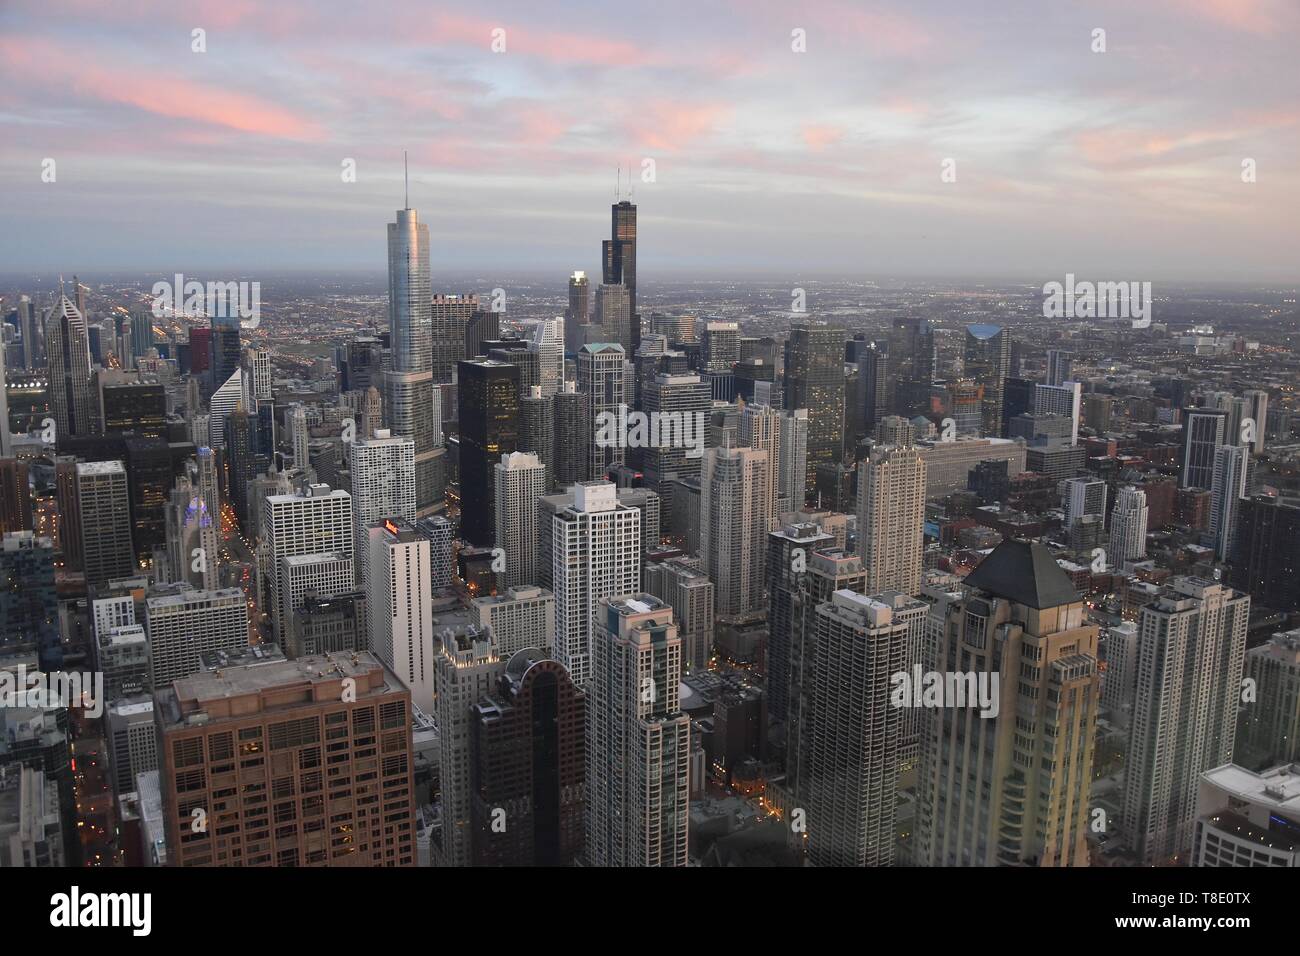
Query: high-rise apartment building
(1191, 647)
(735, 517)
(605, 378)
(1128, 526)
(638, 740)
(1005, 773)
(891, 518)
(520, 479)
(518, 617)
(595, 552)
(1229, 484)
(400, 605)
(1204, 430)
(383, 486)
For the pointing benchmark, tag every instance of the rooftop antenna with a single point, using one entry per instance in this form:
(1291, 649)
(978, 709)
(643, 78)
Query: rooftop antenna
(406, 176)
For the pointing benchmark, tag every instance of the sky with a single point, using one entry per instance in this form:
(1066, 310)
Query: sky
(917, 137)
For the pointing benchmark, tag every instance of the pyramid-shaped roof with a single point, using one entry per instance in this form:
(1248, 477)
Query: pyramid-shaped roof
(1024, 573)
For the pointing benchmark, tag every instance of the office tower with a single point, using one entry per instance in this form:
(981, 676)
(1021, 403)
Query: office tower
(31, 829)
(300, 434)
(575, 436)
(1060, 365)
(1204, 430)
(15, 496)
(595, 552)
(126, 403)
(1190, 653)
(735, 515)
(614, 315)
(537, 430)
(313, 520)
(451, 315)
(814, 380)
(122, 654)
(104, 512)
(618, 259)
(183, 624)
(271, 721)
(489, 428)
(529, 752)
(1009, 784)
(891, 518)
(132, 742)
(6, 442)
(793, 466)
(1268, 731)
(400, 606)
(988, 361)
(518, 617)
(680, 584)
(1247, 818)
(1128, 527)
(680, 403)
(1082, 497)
(638, 740)
(225, 400)
(1228, 485)
(441, 532)
(579, 310)
(1065, 400)
(603, 377)
(720, 346)
(67, 350)
(256, 363)
(29, 603)
(873, 395)
(856, 733)
(760, 427)
(33, 335)
(547, 344)
(363, 366)
(526, 361)
(467, 666)
(519, 480)
(225, 347)
(383, 486)
(483, 326)
(789, 551)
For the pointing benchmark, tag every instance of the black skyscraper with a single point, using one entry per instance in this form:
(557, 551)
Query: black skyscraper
(619, 258)
(489, 428)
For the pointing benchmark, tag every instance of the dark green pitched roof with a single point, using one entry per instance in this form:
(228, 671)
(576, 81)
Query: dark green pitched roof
(1024, 573)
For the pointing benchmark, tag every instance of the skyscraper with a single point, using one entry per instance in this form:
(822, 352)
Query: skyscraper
(1060, 365)
(814, 380)
(1008, 784)
(1191, 647)
(547, 344)
(1128, 526)
(537, 430)
(687, 398)
(383, 486)
(638, 740)
(604, 377)
(595, 552)
(735, 516)
(1228, 485)
(183, 624)
(619, 260)
(1065, 400)
(15, 496)
(272, 719)
(519, 480)
(792, 468)
(891, 518)
(104, 508)
(489, 428)
(72, 392)
(408, 387)
(398, 587)
(574, 437)
(1204, 430)
(614, 315)
(312, 520)
(856, 733)
(988, 362)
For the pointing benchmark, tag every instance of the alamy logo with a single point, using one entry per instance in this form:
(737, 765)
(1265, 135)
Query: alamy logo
(218, 300)
(1098, 300)
(73, 909)
(946, 689)
(37, 689)
(624, 429)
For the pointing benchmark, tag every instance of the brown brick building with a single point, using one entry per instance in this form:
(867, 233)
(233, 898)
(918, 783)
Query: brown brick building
(288, 763)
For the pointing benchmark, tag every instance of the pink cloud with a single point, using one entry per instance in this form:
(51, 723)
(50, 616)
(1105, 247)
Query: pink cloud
(672, 125)
(1251, 16)
(819, 136)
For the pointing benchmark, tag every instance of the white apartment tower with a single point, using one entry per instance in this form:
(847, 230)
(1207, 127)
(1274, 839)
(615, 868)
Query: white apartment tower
(383, 486)
(313, 520)
(520, 481)
(399, 603)
(595, 552)
(1128, 526)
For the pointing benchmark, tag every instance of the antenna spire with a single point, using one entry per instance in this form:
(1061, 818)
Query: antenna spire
(406, 177)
